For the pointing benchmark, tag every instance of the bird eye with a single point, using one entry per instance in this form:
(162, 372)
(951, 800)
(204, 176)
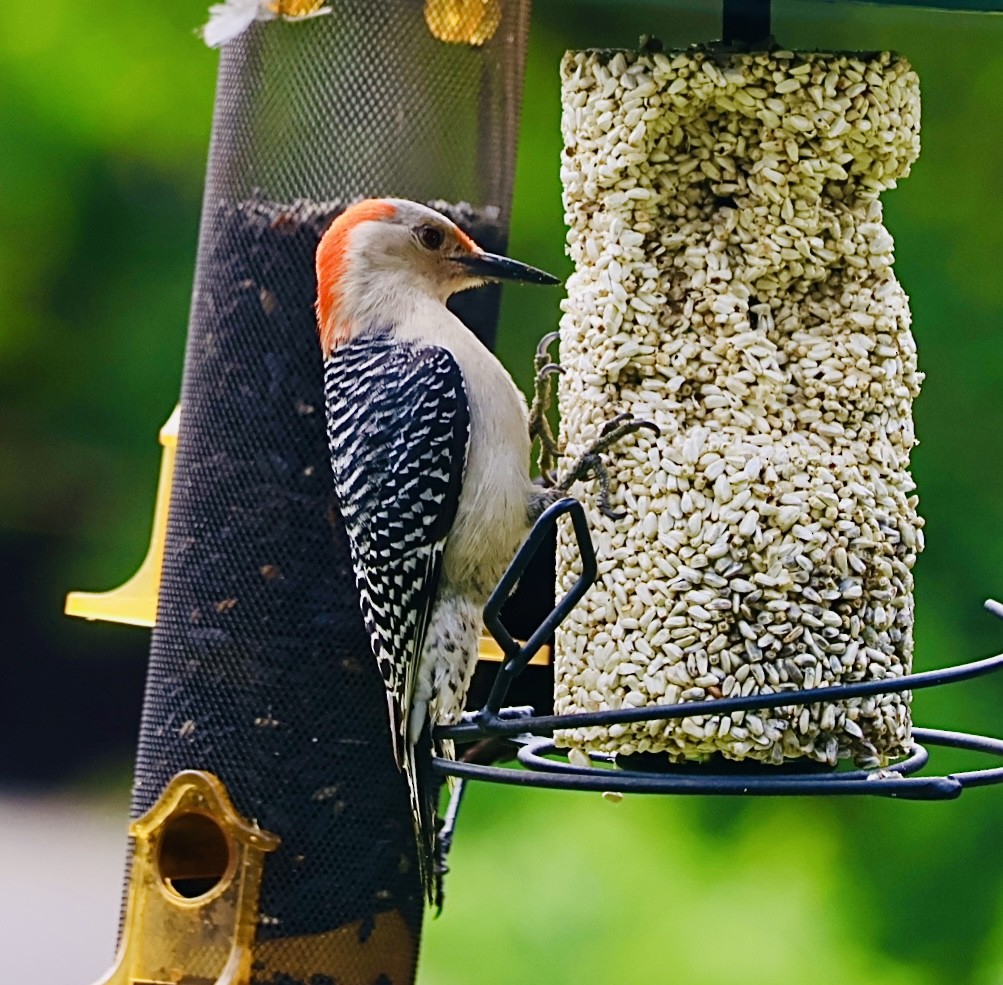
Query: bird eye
(430, 237)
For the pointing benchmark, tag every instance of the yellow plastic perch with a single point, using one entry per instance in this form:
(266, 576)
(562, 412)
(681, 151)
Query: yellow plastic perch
(490, 650)
(135, 602)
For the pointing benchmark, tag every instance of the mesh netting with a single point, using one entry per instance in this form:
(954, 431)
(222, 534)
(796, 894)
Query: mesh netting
(260, 668)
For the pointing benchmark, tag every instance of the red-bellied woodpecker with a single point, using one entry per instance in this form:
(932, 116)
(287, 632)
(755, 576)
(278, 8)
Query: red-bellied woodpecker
(430, 451)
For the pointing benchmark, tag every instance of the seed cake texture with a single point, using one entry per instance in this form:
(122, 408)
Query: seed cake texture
(734, 284)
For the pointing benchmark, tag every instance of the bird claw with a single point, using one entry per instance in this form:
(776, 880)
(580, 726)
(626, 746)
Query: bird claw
(543, 349)
(590, 462)
(628, 425)
(539, 425)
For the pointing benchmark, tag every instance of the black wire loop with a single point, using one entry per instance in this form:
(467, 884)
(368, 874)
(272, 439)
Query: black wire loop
(516, 657)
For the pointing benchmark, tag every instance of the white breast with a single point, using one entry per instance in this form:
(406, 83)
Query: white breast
(493, 515)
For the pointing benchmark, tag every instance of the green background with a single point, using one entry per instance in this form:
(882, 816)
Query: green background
(104, 125)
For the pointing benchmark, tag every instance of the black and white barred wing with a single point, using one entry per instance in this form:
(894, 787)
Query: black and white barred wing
(398, 424)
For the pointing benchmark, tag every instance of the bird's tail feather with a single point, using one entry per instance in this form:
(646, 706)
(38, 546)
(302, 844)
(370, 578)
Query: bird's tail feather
(423, 790)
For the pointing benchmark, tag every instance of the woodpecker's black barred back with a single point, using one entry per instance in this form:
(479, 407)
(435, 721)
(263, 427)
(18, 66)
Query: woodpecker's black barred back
(398, 423)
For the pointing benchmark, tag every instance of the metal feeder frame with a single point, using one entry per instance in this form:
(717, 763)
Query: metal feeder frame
(532, 734)
(745, 24)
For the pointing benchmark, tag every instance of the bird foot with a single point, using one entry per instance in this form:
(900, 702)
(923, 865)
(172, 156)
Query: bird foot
(591, 463)
(539, 423)
(445, 829)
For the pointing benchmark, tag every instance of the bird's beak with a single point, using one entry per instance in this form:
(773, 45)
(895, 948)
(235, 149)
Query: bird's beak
(494, 267)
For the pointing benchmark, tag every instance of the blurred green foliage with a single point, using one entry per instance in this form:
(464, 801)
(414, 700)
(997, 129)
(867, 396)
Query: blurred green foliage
(104, 125)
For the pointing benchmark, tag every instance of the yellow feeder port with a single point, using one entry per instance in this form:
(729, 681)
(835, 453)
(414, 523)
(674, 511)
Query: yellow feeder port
(463, 21)
(135, 602)
(294, 9)
(192, 906)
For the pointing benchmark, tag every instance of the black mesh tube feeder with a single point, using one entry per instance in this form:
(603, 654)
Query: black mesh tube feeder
(267, 806)
(271, 839)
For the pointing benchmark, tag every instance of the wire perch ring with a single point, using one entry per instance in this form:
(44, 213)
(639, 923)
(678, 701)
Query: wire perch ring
(532, 733)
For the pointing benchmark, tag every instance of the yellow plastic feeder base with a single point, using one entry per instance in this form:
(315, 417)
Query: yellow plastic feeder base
(135, 602)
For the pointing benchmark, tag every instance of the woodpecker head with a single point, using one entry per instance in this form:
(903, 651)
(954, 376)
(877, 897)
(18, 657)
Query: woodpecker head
(379, 254)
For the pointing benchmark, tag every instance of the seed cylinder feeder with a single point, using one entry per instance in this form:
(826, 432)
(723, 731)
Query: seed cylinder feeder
(734, 285)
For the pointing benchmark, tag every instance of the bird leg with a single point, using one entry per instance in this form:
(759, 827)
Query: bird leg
(539, 424)
(590, 462)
